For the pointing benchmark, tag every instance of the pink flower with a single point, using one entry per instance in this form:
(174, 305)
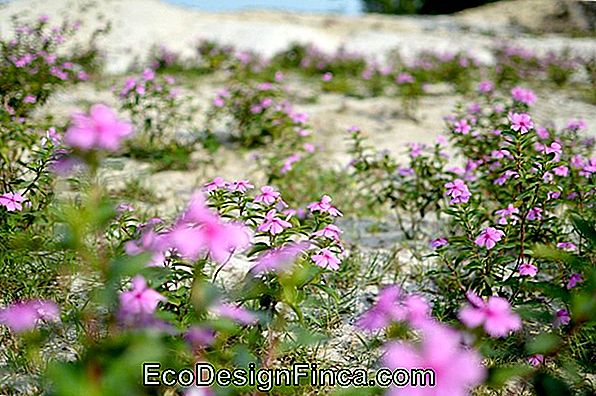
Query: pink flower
(527, 269)
(200, 230)
(140, 300)
(30, 99)
(309, 147)
(52, 136)
(504, 214)
(523, 95)
(152, 242)
(505, 176)
(148, 74)
(416, 149)
(567, 246)
(554, 148)
(279, 259)
(589, 168)
(576, 124)
(562, 318)
(240, 185)
(542, 133)
(561, 171)
(405, 171)
(215, 184)
(495, 315)
(386, 310)
(273, 225)
(101, 129)
(235, 313)
(326, 259)
(218, 101)
(489, 237)
(199, 337)
(268, 195)
(324, 205)
(12, 201)
(289, 163)
(574, 279)
(553, 194)
(457, 369)
(329, 231)
(437, 243)
(462, 127)
(485, 86)
(520, 122)
(26, 315)
(404, 78)
(535, 214)
(458, 191)
(327, 76)
(536, 360)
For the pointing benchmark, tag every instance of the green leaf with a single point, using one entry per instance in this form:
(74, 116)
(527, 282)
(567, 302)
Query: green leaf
(544, 343)
(498, 376)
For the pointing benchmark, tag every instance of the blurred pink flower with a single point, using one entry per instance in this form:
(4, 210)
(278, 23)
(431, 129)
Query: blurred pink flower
(26, 315)
(151, 242)
(561, 171)
(485, 86)
(523, 95)
(574, 279)
(535, 214)
(576, 124)
(457, 369)
(495, 315)
(437, 243)
(536, 360)
(279, 259)
(140, 300)
(235, 313)
(148, 74)
(542, 133)
(201, 230)
(387, 309)
(199, 337)
(101, 129)
(29, 99)
(562, 318)
(404, 78)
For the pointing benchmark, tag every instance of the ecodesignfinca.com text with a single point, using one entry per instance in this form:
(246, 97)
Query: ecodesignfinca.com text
(298, 374)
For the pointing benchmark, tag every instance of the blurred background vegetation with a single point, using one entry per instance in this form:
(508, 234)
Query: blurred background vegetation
(420, 6)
